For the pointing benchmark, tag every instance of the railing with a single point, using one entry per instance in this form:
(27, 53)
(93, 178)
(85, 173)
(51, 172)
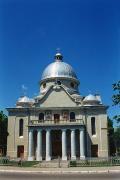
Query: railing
(94, 162)
(56, 122)
(88, 162)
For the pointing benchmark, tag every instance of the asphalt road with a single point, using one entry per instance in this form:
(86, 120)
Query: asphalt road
(23, 176)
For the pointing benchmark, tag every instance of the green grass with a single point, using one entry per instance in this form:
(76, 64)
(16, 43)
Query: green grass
(4, 162)
(24, 163)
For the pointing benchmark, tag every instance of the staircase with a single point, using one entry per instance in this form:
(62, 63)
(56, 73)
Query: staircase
(53, 164)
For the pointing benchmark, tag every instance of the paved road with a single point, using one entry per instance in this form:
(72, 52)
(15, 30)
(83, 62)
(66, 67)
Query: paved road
(23, 176)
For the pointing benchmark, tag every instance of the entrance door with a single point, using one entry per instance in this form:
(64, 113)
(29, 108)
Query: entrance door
(56, 144)
(20, 151)
(94, 150)
(56, 118)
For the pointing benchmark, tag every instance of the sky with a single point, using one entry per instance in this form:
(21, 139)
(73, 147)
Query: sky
(86, 31)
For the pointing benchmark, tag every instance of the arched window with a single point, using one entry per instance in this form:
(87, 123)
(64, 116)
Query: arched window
(41, 116)
(21, 127)
(72, 116)
(44, 85)
(93, 127)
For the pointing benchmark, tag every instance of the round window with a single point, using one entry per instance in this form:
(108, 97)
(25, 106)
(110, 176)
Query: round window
(44, 85)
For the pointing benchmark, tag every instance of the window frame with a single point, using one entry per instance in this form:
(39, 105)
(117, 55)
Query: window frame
(93, 126)
(21, 127)
(72, 119)
(41, 119)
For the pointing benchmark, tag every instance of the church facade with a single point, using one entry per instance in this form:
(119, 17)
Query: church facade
(59, 122)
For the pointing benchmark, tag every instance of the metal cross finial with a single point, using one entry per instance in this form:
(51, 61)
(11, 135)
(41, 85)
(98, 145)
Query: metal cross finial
(24, 89)
(58, 50)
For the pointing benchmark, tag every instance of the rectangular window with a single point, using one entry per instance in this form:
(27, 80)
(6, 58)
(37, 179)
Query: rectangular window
(93, 127)
(21, 127)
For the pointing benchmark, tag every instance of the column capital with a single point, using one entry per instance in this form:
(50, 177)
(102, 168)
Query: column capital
(64, 129)
(48, 129)
(31, 130)
(39, 129)
(82, 128)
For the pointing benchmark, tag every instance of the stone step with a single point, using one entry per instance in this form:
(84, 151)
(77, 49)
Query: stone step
(52, 164)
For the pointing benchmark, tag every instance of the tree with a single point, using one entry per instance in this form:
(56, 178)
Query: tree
(116, 98)
(112, 147)
(116, 102)
(117, 140)
(3, 132)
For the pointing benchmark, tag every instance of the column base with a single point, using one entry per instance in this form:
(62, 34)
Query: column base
(39, 158)
(73, 158)
(82, 157)
(48, 158)
(64, 158)
(31, 158)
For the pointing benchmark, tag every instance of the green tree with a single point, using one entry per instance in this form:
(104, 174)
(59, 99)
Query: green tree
(116, 98)
(3, 132)
(112, 148)
(117, 140)
(116, 102)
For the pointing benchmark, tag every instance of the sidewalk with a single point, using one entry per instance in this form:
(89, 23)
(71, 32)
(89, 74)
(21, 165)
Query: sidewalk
(72, 170)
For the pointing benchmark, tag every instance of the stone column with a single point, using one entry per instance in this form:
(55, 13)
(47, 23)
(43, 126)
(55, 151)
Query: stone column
(64, 148)
(39, 145)
(30, 150)
(48, 145)
(82, 144)
(73, 145)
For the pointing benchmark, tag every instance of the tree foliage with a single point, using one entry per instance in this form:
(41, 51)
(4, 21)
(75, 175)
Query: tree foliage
(111, 142)
(3, 130)
(117, 140)
(116, 98)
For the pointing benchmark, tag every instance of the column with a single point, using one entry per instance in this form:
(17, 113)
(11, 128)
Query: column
(30, 150)
(48, 145)
(39, 145)
(82, 144)
(64, 148)
(73, 145)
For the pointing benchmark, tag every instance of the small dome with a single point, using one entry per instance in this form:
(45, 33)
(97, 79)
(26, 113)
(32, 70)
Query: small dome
(90, 97)
(59, 69)
(24, 101)
(91, 100)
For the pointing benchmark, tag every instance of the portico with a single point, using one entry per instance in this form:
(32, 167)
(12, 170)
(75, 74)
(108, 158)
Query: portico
(67, 150)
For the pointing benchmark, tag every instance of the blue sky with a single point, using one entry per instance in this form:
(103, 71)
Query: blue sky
(86, 31)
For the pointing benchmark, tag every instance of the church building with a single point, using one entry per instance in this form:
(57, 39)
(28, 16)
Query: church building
(59, 122)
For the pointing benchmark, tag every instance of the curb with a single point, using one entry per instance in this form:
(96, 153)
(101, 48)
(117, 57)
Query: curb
(61, 172)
